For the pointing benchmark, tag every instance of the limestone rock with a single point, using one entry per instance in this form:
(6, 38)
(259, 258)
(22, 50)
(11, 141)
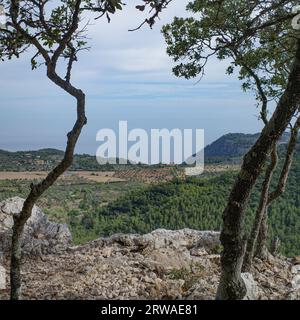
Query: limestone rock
(210, 241)
(164, 264)
(296, 282)
(198, 252)
(2, 278)
(162, 238)
(40, 234)
(295, 269)
(251, 286)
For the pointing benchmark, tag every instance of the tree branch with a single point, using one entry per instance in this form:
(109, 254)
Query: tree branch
(287, 163)
(67, 37)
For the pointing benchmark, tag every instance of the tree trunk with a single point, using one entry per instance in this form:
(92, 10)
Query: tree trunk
(262, 247)
(262, 208)
(38, 189)
(231, 285)
(262, 250)
(275, 247)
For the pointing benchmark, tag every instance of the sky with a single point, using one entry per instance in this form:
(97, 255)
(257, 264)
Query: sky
(126, 76)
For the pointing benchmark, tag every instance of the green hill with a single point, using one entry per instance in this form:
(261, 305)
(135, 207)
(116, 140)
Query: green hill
(196, 203)
(46, 159)
(229, 148)
(232, 147)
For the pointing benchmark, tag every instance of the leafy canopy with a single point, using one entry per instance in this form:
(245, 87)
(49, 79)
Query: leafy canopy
(57, 28)
(255, 36)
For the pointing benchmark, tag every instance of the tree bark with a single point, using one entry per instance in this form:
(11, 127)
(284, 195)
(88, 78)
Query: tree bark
(231, 285)
(38, 189)
(262, 250)
(262, 208)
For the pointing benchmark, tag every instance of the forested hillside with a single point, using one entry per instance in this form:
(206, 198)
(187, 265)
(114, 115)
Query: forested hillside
(232, 147)
(46, 159)
(195, 203)
(92, 210)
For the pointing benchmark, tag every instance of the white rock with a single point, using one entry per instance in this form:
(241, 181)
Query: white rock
(295, 269)
(107, 252)
(2, 278)
(296, 282)
(251, 286)
(198, 252)
(149, 280)
(40, 234)
(162, 238)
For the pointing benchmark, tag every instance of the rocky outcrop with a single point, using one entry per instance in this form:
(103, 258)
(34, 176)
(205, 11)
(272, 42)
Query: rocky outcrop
(40, 235)
(162, 238)
(163, 264)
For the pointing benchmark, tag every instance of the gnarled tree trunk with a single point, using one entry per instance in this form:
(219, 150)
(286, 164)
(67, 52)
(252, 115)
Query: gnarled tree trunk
(231, 285)
(262, 250)
(252, 240)
(38, 189)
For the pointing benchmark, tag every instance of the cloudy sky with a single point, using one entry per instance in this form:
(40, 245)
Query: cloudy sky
(126, 76)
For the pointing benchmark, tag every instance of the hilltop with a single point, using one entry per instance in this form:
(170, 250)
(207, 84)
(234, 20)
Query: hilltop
(232, 147)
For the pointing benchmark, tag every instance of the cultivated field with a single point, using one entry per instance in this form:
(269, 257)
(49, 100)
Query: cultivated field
(145, 175)
(104, 177)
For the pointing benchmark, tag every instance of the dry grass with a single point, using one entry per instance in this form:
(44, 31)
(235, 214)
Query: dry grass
(104, 177)
(144, 175)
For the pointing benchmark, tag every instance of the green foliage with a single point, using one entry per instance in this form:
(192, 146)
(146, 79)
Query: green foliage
(53, 28)
(46, 159)
(196, 203)
(256, 37)
(92, 210)
(177, 274)
(190, 275)
(231, 147)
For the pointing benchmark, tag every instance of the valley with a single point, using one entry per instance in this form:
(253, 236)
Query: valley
(139, 199)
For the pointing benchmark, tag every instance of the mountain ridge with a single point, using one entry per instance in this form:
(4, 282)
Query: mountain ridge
(230, 147)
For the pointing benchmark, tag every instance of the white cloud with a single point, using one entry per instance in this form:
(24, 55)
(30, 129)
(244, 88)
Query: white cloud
(122, 69)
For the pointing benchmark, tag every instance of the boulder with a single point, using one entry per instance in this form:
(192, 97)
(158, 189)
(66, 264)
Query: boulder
(251, 286)
(295, 269)
(40, 235)
(2, 278)
(162, 238)
(296, 282)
